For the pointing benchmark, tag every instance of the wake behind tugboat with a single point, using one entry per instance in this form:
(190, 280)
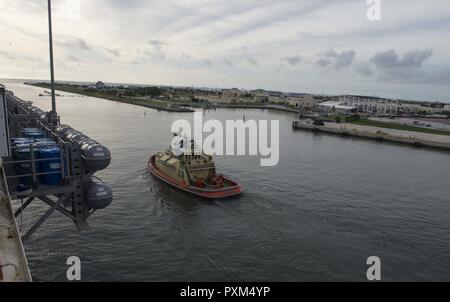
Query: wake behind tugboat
(191, 171)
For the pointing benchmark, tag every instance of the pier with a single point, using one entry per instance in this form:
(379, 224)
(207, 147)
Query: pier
(377, 133)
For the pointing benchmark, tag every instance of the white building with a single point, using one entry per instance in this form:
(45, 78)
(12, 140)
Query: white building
(447, 108)
(336, 107)
(373, 105)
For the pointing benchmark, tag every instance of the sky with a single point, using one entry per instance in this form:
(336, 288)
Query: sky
(313, 46)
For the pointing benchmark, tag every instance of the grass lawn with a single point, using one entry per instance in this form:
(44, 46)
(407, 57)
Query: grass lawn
(367, 122)
(102, 95)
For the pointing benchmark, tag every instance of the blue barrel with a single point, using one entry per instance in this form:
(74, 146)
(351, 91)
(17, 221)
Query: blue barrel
(30, 129)
(44, 139)
(45, 143)
(50, 165)
(24, 153)
(21, 140)
(33, 133)
(25, 130)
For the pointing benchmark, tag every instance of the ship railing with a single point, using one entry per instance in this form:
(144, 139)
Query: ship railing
(13, 174)
(22, 116)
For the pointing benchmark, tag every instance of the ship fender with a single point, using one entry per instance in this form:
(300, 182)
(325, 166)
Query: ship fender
(97, 194)
(63, 129)
(96, 157)
(77, 138)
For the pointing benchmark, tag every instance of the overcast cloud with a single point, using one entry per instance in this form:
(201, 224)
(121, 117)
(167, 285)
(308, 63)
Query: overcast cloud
(289, 45)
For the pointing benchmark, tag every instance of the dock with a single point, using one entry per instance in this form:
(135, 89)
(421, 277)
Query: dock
(380, 134)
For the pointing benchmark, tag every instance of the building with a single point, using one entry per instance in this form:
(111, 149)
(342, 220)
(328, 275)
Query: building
(371, 105)
(306, 101)
(447, 108)
(418, 108)
(261, 98)
(276, 97)
(233, 93)
(309, 101)
(336, 107)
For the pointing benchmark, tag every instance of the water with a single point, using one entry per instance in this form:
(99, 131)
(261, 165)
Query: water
(330, 203)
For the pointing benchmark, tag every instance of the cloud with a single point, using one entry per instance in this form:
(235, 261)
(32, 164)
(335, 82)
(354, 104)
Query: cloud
(280, 35)
(6, 55)
(438, 77)
(77, 43)
(251, 60)
(72, 58)
(345, 59)
(157, 51)
(323, 62)
(391, 65)
(156, 54)
(330, 53)
(228, 62)
(80, 43)
(294, 60)
(206, 62)
(331, 58)
(185, 56)
(364, 69)
(257, 15)
(389, 59)
(157, 43)
(114, 52)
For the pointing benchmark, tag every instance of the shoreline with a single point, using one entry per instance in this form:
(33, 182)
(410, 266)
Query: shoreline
(182, 108)
(131, 102)
(417, 139)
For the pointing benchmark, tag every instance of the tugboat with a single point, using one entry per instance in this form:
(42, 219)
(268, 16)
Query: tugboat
(191, 171)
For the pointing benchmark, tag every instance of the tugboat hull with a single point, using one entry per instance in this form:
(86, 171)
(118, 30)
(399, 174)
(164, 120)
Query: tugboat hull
(233, 189)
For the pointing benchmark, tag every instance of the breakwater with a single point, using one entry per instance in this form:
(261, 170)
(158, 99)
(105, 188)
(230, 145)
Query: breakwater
(380, 134)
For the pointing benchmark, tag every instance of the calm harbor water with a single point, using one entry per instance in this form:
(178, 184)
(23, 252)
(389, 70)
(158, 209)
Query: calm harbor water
(330, 203)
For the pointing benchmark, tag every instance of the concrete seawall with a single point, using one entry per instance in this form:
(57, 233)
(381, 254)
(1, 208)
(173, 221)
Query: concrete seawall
(251, 106)
(380, 134)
